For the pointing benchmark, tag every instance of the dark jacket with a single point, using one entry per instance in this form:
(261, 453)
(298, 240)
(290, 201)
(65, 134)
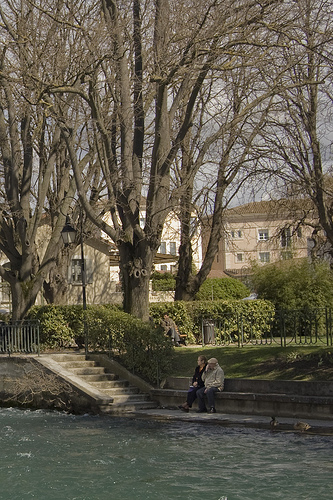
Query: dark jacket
(197, 376)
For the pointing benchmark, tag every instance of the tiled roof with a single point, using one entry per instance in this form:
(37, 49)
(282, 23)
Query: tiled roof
(272, 208)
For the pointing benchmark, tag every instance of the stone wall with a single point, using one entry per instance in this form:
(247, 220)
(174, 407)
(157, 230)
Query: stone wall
(25, 382)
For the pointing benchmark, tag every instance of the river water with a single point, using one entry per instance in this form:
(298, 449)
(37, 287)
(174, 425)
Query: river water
(56, 456)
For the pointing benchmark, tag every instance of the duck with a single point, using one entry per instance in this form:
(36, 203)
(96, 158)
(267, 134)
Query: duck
(273, 423)
(302, 426)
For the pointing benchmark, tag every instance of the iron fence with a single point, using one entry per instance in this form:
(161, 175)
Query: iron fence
(19, 337)
(303, 327)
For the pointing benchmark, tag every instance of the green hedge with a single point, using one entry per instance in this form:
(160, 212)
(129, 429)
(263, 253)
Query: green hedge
(143, 347)
(162, 282)
(255, 317)
(222, 289)
(295, 284)
(140, 346)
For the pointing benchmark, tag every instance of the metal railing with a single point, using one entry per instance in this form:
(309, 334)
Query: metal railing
(302, 327)
(19, 337)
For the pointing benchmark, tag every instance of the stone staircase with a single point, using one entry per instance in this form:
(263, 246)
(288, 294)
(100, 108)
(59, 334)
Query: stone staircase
(120, 395)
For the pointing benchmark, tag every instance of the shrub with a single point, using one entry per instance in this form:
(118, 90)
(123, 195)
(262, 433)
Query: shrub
(222, 289)
(148, 351)
(253, 318)
(234, 318)
(295, 285)
(162, 282)
(54, 328)
(178, 311)
(140, 346)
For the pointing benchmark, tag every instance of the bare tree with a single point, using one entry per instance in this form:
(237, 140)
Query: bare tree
(34, 162)
(108, 93)
(296, 143)
(142, 82)
(218, 158)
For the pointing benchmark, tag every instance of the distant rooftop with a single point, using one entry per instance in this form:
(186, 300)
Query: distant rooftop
(285, 208)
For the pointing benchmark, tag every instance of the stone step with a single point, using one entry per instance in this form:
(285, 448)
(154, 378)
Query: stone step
(99, 377)
(126, 398)
(60, 358)
(116, 390)
(89, 370)
(69, 365)
(117, 383)
(129, 398)
(115, 409)
(105, 379)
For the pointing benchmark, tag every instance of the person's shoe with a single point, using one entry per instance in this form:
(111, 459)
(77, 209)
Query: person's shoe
(202, 411)
(184, 407)
(212, 410)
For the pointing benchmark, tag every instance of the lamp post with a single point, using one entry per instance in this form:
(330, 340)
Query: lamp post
(68, 234)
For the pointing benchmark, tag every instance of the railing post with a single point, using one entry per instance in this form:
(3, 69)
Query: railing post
(282, 329)
(158, 374)
(202, 332)
(328, 324)
(38, 342)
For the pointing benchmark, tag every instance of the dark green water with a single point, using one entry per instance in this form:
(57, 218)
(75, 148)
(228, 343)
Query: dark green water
(54, 456)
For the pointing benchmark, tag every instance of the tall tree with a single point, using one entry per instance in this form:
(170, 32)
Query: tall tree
(34, 161)
(218, 158)
(223, 162)
(151, 65)
(296, 145)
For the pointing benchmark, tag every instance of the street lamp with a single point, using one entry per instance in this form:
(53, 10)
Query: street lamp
(68, 234)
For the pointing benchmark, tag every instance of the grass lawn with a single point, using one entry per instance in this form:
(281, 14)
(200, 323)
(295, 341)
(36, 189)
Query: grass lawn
(261, 362)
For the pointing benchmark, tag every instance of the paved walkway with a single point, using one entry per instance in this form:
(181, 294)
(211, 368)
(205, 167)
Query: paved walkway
(322, 427)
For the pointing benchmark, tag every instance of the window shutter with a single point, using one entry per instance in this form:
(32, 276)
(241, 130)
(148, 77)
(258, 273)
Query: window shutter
(89, 268)
(70, 274)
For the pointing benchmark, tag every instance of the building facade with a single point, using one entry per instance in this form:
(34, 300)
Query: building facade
(263, 232)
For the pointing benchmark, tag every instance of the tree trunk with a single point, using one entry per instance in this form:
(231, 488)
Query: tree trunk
(135, 268)
(183, 278)
(56, 286)
(23, 297)
(55, 289)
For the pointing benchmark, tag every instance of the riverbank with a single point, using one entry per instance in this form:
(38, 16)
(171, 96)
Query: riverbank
(244, 402)
(322, 427)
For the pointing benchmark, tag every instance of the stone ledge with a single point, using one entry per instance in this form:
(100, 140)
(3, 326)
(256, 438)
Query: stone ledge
(257, 403)
(294, 398)
(292, 387)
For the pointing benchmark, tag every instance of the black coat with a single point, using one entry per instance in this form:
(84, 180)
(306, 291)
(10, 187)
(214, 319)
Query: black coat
(197, 376)
(192, 392)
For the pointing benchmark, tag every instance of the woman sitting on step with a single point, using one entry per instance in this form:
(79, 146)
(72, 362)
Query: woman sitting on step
(197, 383)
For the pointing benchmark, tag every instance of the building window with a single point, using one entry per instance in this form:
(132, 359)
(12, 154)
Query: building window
(264, 257)
(172, 248)
(162, 248)
(239, 257)
(164, 267)
(194, 225)
(75, 274)
(263, 234)
(142, 222)
(5, 292)
(286, 237)
(287, 255)
(299, 232)
(236, 234)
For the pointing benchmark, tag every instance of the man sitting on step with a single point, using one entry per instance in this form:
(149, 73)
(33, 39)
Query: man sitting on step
(213, 378)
